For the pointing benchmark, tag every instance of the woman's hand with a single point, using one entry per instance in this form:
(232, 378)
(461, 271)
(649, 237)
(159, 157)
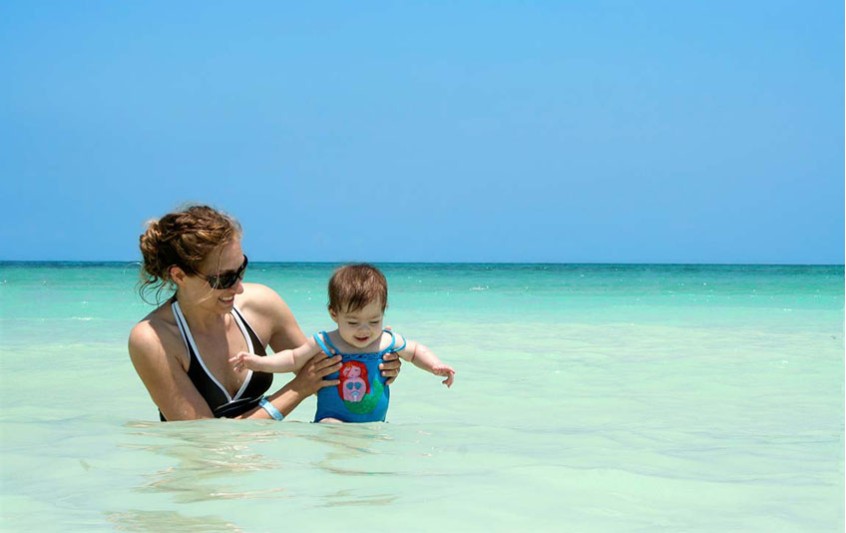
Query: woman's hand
(390, 367)
(309, 379)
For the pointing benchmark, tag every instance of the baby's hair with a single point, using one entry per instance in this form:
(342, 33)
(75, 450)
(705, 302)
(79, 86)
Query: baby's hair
(183, 238)
(352, 287)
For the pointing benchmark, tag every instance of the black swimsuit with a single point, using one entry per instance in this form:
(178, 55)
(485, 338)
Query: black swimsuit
(220, 401)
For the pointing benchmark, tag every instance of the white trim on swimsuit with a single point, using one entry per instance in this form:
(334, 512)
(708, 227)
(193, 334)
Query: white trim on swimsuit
(188, 338)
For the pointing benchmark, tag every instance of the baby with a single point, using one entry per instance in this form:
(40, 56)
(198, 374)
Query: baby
(358, 295)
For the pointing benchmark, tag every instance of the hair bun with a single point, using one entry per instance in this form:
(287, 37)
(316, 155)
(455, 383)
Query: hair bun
(183, 238)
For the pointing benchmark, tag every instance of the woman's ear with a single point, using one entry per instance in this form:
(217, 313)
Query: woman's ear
(177, 275)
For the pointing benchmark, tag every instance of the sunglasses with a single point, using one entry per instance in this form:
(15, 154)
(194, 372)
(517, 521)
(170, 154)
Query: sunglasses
(227, 279)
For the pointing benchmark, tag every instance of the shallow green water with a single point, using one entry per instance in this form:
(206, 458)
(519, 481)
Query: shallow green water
(588, 398)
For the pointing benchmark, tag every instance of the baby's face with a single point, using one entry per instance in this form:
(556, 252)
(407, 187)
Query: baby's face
(362, 327)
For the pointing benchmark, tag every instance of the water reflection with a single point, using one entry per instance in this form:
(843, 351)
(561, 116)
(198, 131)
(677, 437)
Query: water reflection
(211, 457)
(207, 468)
(357, 458)
(170, 521)
(355, 443)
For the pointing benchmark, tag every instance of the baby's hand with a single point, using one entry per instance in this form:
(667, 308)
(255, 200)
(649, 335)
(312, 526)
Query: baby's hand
(243, 360)
(444, 370)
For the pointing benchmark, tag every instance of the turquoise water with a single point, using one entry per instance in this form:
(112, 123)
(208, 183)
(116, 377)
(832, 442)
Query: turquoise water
(587, 398)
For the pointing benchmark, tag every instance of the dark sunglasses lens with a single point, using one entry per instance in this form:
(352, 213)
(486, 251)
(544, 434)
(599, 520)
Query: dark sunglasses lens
(223, 282)
(226, 281)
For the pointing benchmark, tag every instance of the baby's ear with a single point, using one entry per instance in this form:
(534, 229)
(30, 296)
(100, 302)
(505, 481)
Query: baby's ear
(334, 315)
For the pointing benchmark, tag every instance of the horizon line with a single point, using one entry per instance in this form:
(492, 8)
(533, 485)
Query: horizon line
(503, 263)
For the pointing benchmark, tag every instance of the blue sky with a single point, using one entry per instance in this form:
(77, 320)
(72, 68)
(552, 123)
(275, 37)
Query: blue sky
(568, 131)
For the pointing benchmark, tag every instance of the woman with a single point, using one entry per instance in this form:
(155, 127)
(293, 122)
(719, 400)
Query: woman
(181, 349)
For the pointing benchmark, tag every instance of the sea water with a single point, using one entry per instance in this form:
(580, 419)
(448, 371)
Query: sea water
(587, 398)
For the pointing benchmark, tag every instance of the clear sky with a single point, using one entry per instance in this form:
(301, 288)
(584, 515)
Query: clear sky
(696, 131)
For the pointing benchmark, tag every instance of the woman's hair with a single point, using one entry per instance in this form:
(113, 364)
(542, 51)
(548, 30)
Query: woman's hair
(352, 287)
(183, 238)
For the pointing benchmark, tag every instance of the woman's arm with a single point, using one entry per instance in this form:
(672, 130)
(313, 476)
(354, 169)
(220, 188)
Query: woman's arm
(164, 376)
(269, 312)
(308, 381)
(178, 399)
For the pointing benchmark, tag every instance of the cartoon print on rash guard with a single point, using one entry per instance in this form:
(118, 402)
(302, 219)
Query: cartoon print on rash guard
(354, 383)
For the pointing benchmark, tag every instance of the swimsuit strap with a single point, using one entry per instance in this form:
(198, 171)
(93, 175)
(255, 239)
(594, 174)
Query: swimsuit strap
(194, 351)
(326, 345)
(322, 340)
(401, 348)
(391, 347)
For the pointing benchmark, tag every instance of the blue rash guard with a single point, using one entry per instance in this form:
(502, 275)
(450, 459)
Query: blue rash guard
(362, 395)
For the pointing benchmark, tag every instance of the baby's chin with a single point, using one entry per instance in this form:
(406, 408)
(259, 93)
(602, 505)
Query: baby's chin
(362, 342)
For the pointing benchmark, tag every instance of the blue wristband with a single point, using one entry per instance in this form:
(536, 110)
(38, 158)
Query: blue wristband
(271, 409)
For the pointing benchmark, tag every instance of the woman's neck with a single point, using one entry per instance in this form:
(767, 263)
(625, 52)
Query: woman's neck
(200, 319)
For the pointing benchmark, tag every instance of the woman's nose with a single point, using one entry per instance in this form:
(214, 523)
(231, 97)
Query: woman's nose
(239, 286)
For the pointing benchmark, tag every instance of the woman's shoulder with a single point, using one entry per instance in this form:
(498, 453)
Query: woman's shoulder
(152, 331)
(259, 302)
(269, 316)
(157, 318)
(257, 297)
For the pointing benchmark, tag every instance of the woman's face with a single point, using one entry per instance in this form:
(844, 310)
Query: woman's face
(223, 262)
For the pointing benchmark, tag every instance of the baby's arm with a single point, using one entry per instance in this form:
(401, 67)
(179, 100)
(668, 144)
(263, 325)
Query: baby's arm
(284, 361)
(422, 357)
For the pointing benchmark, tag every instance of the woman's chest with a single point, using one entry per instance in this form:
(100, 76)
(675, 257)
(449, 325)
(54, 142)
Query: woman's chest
(211, 354)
